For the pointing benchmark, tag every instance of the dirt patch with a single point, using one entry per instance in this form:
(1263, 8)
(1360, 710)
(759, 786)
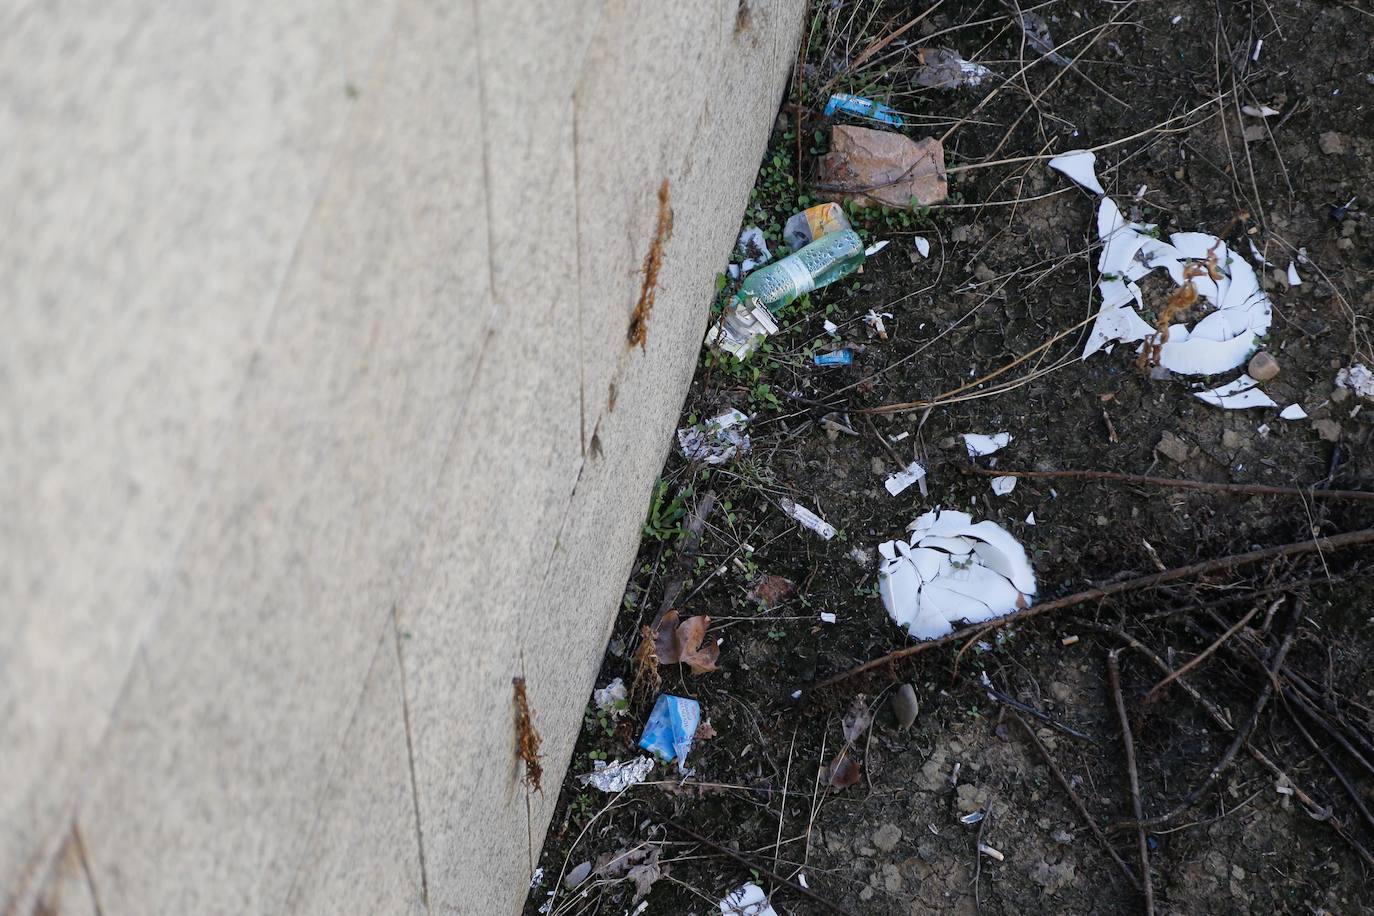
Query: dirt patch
(1011, 266)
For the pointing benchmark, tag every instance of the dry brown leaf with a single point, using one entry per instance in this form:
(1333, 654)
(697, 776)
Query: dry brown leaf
(676, 642)
(527, 739)
(771, 591)
(646, 680)
(857, 719)
(842, 772)
(704, 731)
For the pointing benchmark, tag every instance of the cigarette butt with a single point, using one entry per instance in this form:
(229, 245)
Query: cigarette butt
(990, 852)
(1068, 640)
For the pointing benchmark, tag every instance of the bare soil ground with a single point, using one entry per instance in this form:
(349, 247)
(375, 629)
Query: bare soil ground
(1011, 265)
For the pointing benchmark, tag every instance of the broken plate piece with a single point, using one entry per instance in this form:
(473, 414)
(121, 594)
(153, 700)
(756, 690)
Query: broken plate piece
(904, 478)
(979, 445)
(1237, 395)
(1293, 412)
(1001, 486)
(922, 246)
(749, 900)
(617, 776)
(876, 247)
(808, 519)
(1293, 278)
(1080, 166)
(720, 439)
(953, 570)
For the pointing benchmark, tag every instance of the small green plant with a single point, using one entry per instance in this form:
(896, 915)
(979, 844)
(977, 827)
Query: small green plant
(665, 515)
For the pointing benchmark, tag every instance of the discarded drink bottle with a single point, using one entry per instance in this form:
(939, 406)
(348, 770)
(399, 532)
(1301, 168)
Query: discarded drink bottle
(748, 315)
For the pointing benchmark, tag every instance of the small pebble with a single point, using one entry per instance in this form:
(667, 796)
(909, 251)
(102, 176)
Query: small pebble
(904, 705)
(579, 874)
(1329, 430)
(887, 837)
(1263, 366)
(1344, 243)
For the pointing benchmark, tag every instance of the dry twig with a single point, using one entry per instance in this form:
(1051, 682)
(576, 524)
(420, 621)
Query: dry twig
(1254, 489)
(1133, 777)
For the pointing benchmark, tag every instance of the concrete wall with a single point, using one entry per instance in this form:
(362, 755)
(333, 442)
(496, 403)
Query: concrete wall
(318, 422)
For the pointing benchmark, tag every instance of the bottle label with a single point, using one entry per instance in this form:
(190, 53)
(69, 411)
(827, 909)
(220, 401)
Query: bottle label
(802, 281)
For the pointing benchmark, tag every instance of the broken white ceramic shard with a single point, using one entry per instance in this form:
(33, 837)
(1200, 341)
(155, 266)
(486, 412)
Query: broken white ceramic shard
(952, 570)
(922, 246)
(1258, 111)
(749, 900)
(1236, 395)
(717, 441)
(876, 247)
(617, 776)
(1078, 165)
(1293, 412)
(808, 519)
(1030, 519)
(1001, 486)
(979, 445)
(1357, 379)
(1293, 278)
(904, 478)
(831, 327)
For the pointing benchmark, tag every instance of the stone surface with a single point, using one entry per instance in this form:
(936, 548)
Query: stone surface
(1262, 366)
(886, 837)
(1332, 143)
(905, 707)
(1328, 430)
(1172, 447)
(261, 393)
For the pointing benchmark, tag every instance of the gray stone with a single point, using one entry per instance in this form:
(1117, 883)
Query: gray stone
(905, 706)
(577, 875)
(886, 837)
(1233, 440)
(1332, 143)
(1172, 447)
(1329, 430)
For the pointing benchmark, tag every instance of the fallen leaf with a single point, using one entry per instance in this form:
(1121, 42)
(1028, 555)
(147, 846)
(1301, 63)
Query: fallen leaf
(857, 719)
(842, 772)
(771, 590)
(676, 643)
(527, 739)
(704, 731)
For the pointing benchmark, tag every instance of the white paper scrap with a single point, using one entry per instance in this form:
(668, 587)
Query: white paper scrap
(831, 327)
(979, 445)
(749, 900)
(1078, 165)
(808, 519)
(904, 478)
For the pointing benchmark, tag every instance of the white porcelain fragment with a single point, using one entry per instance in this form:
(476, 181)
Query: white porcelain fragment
(1079, 166)
(1293, 412)
(1030, 519)
(922, 246)
(1293, 278)
(979, 445)
(1258, 111)
(904, 478)
(952, 570)
(876, 247)
(1236, 395)
(1001, 486)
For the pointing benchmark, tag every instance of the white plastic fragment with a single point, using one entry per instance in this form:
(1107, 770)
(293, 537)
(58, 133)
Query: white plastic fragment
(876, 247)
(952, 570)
(808, 519)
(922, 246)
(827, 617)
(1079, 166)
(613, 698)
(1236, 395)
(749, 900)
(1001, 486)
(904, 478)
(1030, 519)
(1293, 278)
(831, 327)
(717, 441)
(1255, 253)
(1358, 379)
(617, 776)
(1293, 412)
(979, 444)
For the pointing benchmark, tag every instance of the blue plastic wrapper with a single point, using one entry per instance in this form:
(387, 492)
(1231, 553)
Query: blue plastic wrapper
(864, 108)
(671, 728)
(837, 358)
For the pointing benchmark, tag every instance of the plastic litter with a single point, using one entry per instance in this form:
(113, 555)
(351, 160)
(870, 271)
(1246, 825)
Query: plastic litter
(718, 441)
(944, 68)
(808, 519)
(617, 776)
(950, 570)
(843, 357)
(749, 900)
(878, 168)
(810, 224)
(904, 478)
(863, 108)
(1357, 379)
(979, 445)
(755, 249)
(831, 328)
(613, 698)
(671, 729)
(747, 319)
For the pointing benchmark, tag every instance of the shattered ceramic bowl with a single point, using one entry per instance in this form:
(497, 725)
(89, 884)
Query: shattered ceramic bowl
(951, 570)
